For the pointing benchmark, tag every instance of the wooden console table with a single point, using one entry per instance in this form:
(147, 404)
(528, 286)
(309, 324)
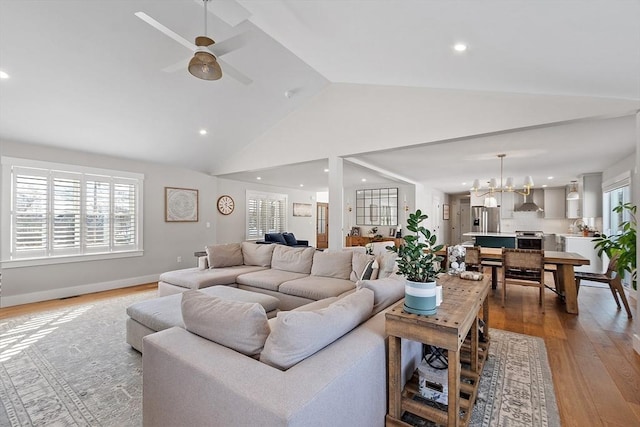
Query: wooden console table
(363, 240)
(456, 318)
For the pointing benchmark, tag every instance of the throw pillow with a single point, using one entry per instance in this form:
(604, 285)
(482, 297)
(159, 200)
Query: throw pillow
(275, 237)
(369, 270)
(385, 291)
(332, 264)
(360, 264)
(255, 254)
(224, 255)
(387, 262)
(297, 335)
(290, 239)
(241, 326)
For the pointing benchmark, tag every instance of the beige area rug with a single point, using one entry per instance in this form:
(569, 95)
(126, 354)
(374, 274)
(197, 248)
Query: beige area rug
(72, 367)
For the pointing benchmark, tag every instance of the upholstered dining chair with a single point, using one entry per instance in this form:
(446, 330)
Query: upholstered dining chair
(523, 267)
(472, 259)
(611, 278)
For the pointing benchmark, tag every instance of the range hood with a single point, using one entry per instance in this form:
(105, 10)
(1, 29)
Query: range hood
(528, 205)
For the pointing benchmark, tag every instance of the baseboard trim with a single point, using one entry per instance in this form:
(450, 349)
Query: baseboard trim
(8, 301)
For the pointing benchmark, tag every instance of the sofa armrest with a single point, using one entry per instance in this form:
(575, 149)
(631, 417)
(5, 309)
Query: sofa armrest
(181, 385)
(302, 242)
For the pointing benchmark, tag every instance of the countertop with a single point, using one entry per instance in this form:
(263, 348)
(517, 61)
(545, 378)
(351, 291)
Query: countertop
(576, 236)
(479, 233)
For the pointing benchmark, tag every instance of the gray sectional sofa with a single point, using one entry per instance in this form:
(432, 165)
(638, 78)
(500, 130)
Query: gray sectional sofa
(320, 361)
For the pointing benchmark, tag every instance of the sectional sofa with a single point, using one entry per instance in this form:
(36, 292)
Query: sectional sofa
(321, 361)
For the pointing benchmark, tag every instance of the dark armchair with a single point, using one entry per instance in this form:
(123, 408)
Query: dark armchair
(287, 239)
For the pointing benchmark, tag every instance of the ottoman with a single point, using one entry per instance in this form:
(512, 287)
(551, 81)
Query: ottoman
(148, 317)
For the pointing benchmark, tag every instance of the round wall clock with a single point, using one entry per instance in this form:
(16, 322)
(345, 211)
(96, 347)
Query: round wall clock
(225, 205)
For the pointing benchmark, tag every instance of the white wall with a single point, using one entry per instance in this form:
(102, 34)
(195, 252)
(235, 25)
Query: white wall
(163, 242)
(232, 228)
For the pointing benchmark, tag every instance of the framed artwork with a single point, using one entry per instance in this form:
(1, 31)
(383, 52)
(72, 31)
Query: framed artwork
(301, 209)
(445, 211)
(180, 204)
(355, 231)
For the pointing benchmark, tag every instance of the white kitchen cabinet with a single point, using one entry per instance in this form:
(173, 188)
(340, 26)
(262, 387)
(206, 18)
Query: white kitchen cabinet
(585, 247)
(592, 195)
(554, 203)
(507, 205)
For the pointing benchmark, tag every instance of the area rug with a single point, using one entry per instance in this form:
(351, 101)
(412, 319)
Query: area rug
(72, 367)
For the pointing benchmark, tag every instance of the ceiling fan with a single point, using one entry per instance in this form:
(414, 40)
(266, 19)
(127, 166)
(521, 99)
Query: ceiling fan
(205, 63)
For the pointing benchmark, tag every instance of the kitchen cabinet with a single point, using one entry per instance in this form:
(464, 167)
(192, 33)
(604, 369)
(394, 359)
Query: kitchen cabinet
(585, 247)
(554, 203)
(592, 195)
(507, 205)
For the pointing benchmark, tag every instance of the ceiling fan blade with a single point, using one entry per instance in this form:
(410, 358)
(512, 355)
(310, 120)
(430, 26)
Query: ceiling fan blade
(233, 72)
(158, 26)
(230, 11)
(230, 44)
(180, 65)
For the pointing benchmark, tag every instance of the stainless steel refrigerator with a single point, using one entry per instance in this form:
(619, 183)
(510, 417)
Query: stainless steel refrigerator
(485, 220)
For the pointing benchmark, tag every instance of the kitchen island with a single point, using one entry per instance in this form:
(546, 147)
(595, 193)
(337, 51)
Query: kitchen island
(493, 240)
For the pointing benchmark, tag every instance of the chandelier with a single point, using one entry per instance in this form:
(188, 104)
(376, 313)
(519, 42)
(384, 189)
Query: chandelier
(490, 201)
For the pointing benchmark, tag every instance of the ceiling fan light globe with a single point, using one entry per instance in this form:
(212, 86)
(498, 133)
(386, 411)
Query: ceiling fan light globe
(204, 66)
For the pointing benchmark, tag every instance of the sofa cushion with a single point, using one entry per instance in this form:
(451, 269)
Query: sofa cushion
(290, 239)
(363, 264)
(275, 237)
(193, 278)
(268, 279)
(259, 255)
(296, 260)
(316, 287)
(240, 326)
(297, 335)
(387, 263)
(227, 255)
(332, 264)
(385, 291)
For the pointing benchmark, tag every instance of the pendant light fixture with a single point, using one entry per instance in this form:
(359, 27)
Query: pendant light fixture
(490, 201)
(573, 191)
(204, 65)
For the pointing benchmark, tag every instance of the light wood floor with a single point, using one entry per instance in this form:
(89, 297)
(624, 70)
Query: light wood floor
(596, 373)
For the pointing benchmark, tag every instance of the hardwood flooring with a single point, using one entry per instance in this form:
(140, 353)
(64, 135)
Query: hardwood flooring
(596, 373)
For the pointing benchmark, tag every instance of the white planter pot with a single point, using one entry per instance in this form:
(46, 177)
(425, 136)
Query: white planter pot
(421, 297)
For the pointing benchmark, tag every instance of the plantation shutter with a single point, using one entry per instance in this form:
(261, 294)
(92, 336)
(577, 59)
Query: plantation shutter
(30, 212)
(67, 213)
(266, 213)
(97, 221)
(124, 214)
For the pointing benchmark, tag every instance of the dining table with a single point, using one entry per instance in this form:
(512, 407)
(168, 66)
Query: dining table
(564, 262)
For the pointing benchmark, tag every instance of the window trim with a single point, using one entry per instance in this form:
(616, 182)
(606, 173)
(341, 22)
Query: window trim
(6, 207)
(250, 194)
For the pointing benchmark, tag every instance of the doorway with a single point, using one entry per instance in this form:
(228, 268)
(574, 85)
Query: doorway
(322, 226)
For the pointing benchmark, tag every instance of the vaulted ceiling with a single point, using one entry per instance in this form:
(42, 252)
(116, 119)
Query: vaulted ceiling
(88, 75)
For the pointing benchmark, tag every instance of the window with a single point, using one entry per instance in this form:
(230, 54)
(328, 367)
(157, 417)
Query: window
(616, 192)
(266, 213)
(64, 211)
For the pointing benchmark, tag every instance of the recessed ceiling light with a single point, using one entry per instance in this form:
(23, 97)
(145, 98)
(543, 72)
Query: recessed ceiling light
(4, 75)
(326, 170)
(459, 47)
(301, 185)
(549, 177)
(464, 183)
(203, 131)
(258, 178)
(544, 185)
(364, 180)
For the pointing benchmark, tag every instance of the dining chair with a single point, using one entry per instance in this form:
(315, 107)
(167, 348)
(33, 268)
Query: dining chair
(523, 267)
(472, 259)
(611, 278)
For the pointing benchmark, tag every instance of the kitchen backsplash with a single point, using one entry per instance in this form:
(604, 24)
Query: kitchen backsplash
(533, 221)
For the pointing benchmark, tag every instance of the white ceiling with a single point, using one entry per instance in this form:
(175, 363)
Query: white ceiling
(86, 75)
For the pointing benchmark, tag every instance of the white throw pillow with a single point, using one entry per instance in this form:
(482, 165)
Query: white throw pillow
(224, 255)
(295, 260)
(241, 326)
(296, 335)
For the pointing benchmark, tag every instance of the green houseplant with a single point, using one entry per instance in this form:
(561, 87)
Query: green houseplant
(622, 244)
(419, 263)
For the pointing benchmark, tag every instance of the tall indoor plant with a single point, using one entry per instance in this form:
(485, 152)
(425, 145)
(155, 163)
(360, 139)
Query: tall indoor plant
(419, 263)
(622, 244)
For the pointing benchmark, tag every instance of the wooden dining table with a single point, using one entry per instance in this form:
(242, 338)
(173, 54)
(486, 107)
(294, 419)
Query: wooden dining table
(564, 262)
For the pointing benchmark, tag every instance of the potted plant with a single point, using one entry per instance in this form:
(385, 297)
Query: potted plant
(419, 264)
(622, 244)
